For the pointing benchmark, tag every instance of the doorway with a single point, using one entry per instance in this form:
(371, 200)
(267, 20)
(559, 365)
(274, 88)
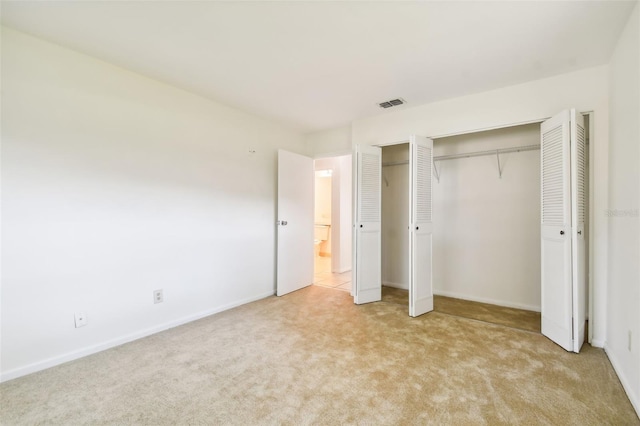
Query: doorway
(395, 216)
(333, 222)
(487, 217)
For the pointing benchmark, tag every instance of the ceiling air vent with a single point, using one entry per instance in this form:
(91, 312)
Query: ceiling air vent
(391, 103)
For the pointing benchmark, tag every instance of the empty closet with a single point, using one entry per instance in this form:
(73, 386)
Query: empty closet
(508, 228)
(487, 217)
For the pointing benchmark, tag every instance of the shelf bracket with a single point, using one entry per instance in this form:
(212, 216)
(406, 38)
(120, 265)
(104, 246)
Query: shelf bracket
(436, 172)
(499, 165)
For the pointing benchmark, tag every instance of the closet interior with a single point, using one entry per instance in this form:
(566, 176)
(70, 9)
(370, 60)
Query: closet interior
(486, 218)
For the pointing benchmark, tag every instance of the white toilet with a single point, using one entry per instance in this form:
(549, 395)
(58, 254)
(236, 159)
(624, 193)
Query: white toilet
(320, 235)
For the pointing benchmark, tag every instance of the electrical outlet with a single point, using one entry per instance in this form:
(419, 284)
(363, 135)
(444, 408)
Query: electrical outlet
(157, 296)
(81, 319)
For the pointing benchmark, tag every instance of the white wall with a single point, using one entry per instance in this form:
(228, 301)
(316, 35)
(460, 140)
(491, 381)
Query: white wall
(486, 235)
(114, 185)
(586, 90)
(330, 142)
(395, 217)
(346, 214)
(322, 201)
(623, 313)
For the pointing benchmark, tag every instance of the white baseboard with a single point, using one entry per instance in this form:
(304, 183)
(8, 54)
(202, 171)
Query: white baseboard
(395, 285)
(80, 353)
(623, 379)
(597, 343)
(487, 300)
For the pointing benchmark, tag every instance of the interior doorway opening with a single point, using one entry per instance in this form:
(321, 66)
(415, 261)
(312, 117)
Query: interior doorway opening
(487, 217)
(395, 216)
(333, 222)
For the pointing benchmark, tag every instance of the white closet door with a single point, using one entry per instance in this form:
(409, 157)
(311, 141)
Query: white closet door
(368, 220)
(562, 294)
(421, 228)
(578, 209)
(295, 222)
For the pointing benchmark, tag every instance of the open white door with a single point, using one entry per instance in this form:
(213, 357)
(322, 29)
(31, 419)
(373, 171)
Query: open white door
(563, 285)
(368, 219)
(421, 226)
(295, 222)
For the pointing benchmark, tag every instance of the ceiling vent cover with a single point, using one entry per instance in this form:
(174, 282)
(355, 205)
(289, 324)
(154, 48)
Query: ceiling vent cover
(392, 103)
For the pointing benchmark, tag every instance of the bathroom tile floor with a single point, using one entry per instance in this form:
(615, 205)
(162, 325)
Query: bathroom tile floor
(325, 278)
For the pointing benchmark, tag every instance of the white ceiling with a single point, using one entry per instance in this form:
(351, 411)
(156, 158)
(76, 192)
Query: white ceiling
(318, 65)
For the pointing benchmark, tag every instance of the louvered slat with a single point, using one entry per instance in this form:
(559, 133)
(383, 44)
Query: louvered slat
(552, 178)
(370, 191)
(581, 169)
(424, 195)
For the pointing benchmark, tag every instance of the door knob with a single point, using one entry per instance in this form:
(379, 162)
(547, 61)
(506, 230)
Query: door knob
(579, 232)
(561, 232)
(360, 226)
(282, 222)
(417, 227)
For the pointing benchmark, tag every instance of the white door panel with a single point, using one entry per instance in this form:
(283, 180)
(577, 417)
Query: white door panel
(367, 275)
(563, 291)
(421, 226)
(556, 300)
(369, 280)
(556, 288)
(295, 222)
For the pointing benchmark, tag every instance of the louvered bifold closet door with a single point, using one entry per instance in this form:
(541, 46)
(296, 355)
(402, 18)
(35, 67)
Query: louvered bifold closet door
(421, 226)
(578, 209)
(556, 292)
(368, 246)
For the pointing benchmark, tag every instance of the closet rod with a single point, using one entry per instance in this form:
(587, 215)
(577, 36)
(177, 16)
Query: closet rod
(471, 154)
(395, 163)
(488, 152)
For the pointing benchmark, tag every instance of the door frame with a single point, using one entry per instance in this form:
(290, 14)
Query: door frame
(336, 235)
(590, 207)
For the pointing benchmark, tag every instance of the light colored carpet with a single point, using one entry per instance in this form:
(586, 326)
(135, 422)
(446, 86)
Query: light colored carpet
(313, 357)
(516, 318)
